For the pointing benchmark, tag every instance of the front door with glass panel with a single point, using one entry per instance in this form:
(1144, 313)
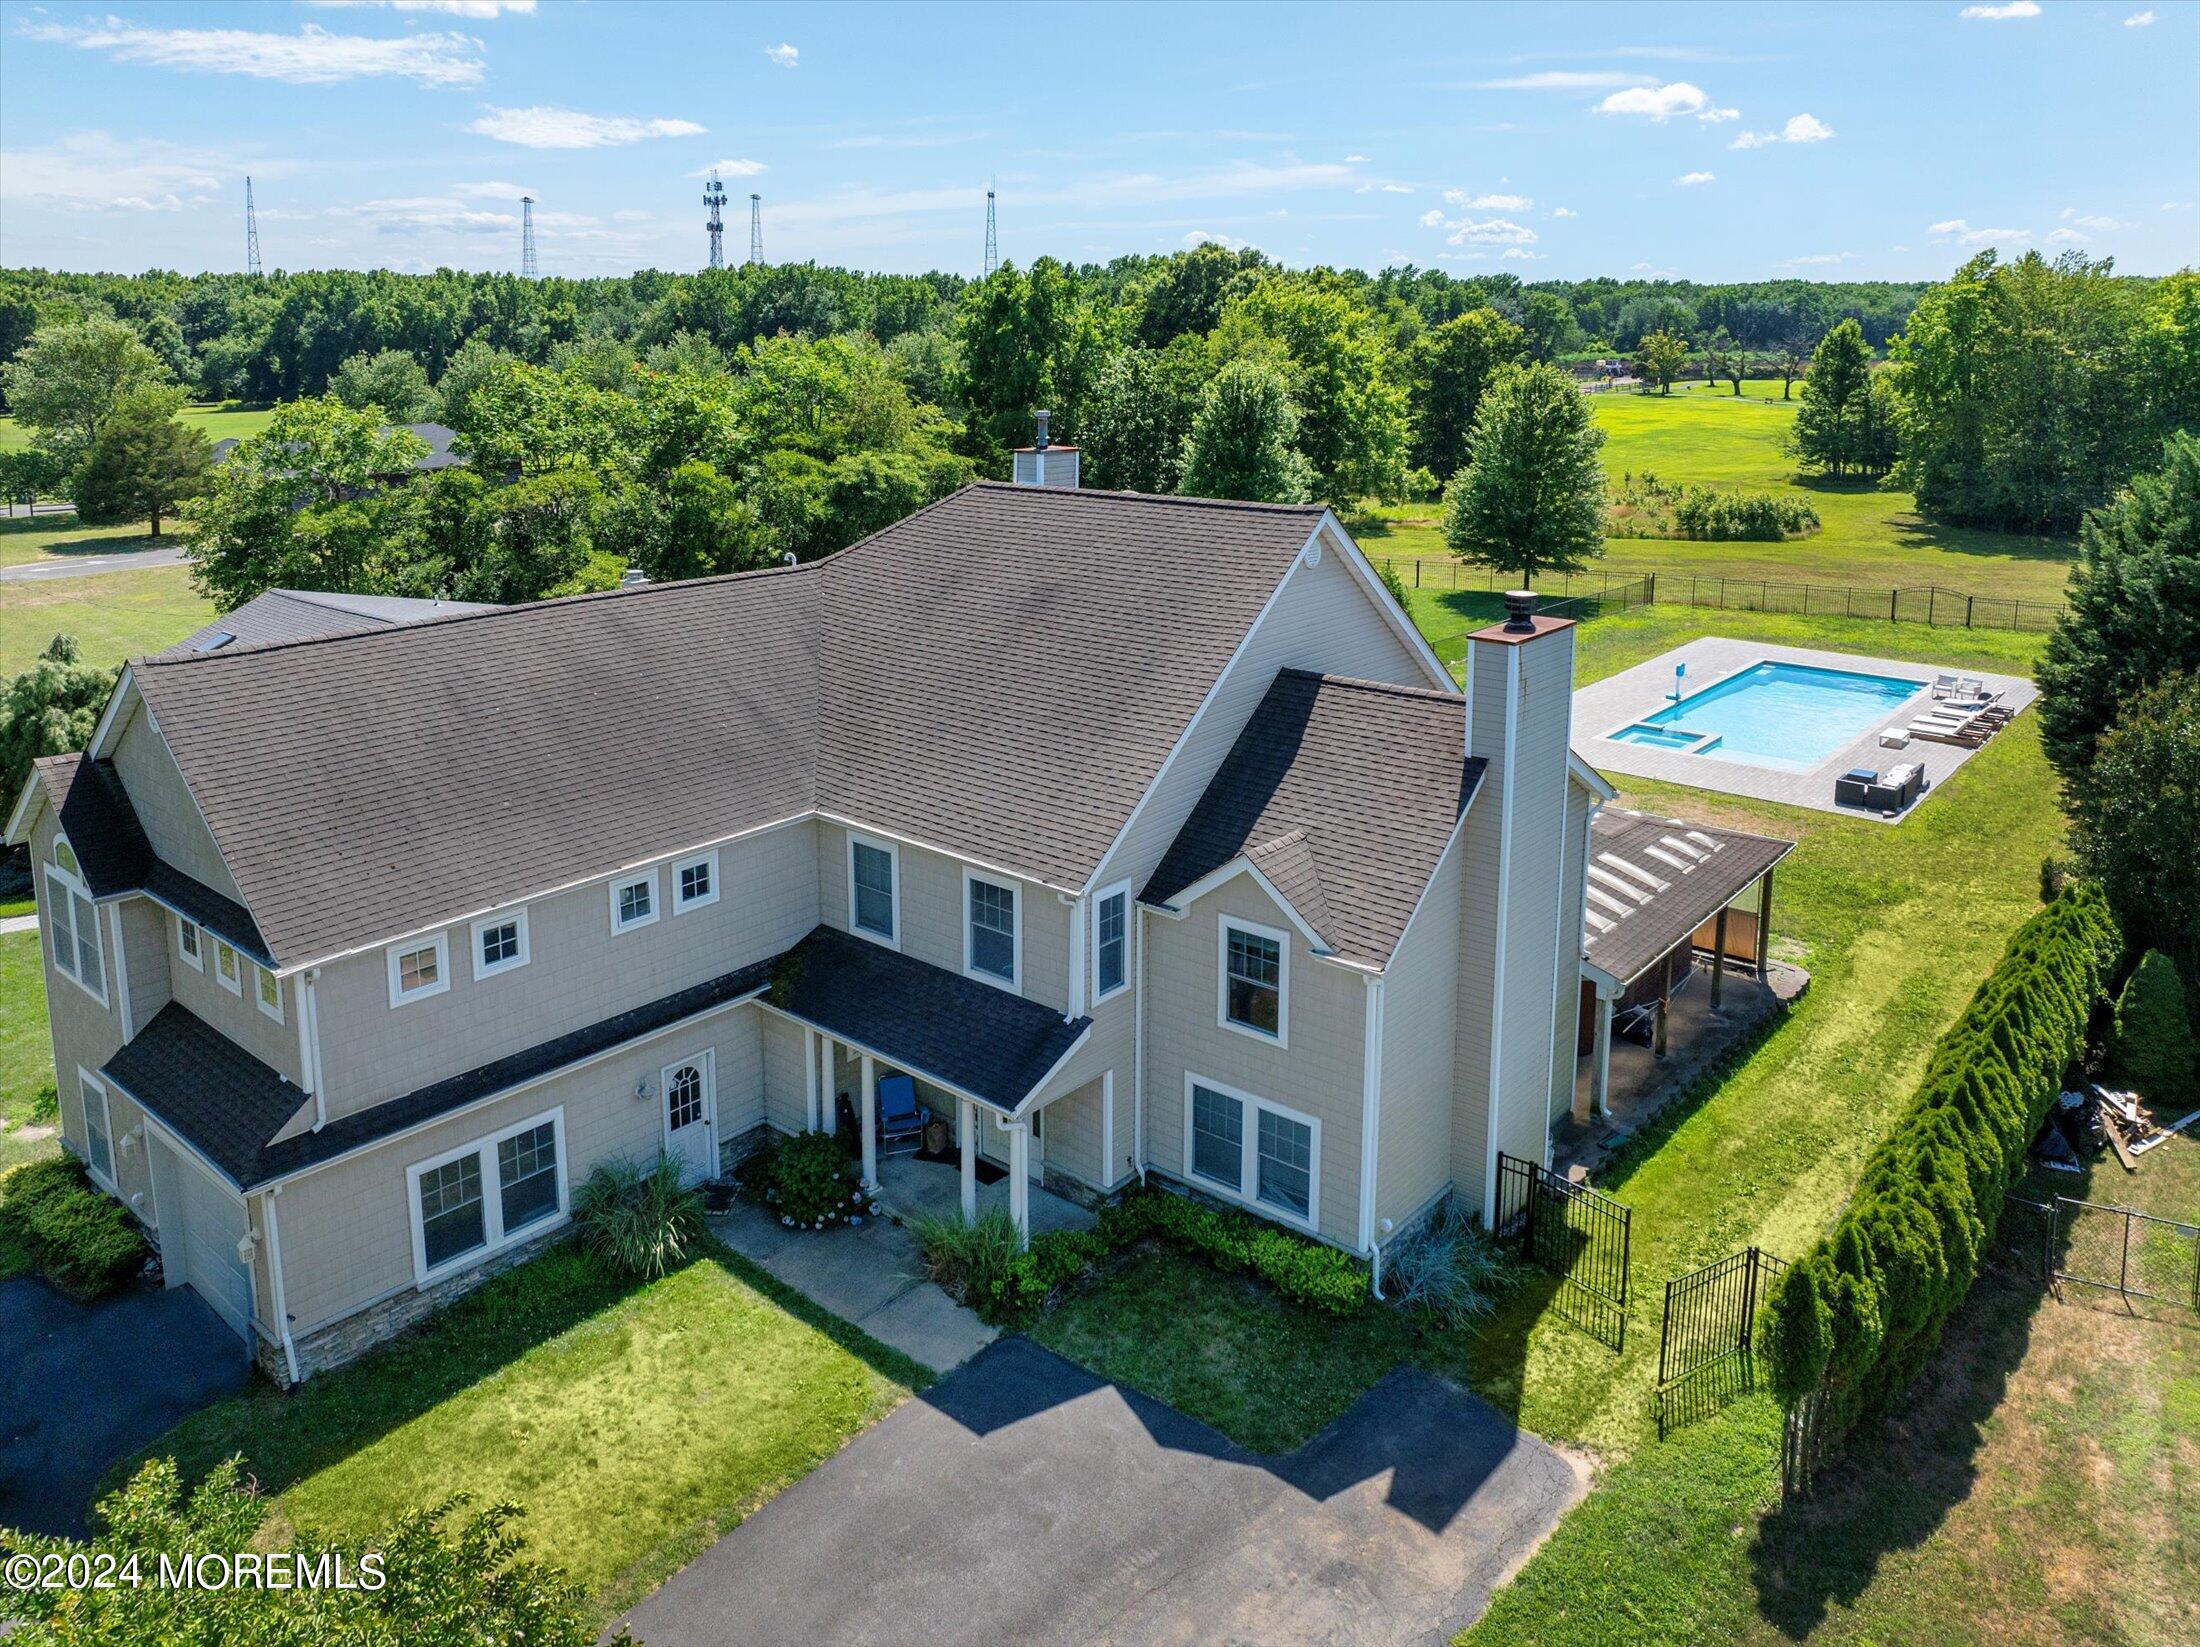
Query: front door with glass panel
(689, 1113)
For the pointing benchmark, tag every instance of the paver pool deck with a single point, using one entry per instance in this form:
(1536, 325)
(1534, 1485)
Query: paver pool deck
(1634, 694)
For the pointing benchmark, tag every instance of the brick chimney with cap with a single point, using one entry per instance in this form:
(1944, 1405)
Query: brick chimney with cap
(1514, 946)
(1043, 463)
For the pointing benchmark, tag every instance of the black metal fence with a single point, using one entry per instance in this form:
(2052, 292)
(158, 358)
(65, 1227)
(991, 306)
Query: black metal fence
(1600, 592)
(1708, 1334)
(2122, 1250)
(1578, 1234)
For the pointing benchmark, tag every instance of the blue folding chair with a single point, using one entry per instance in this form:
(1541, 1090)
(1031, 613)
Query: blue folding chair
(900, 1117)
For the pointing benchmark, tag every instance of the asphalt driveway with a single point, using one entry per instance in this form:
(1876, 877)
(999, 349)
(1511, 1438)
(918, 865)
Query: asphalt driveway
(1022, 1499)
(82, 1385)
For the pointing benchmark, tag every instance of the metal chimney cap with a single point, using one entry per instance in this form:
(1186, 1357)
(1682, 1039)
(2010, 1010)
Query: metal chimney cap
(1040, 444)
(1520, 611)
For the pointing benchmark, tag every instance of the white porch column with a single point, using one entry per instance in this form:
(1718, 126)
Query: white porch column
(1601, 1100)
(1019, 1180)
(870, 1123)
(966, 1132)
(809, 1078)
(828, 1117)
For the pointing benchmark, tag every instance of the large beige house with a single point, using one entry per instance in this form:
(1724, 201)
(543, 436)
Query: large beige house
(1145, 833)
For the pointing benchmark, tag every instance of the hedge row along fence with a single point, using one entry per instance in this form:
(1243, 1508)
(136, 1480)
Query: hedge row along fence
(1853, 1321)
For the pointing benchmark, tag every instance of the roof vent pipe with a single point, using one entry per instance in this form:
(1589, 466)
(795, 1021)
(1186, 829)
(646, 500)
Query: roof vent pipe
(1520, 612)
(1040, 444)
(633, 578)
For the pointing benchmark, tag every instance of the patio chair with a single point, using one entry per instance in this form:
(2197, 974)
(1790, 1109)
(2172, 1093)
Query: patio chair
(900, 1116)
(1854, 787)
(1944, 686)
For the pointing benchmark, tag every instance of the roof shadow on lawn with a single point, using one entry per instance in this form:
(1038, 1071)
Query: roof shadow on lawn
(1438, 1445)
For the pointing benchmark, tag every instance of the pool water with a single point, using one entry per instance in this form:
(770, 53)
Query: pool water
(1789, 716)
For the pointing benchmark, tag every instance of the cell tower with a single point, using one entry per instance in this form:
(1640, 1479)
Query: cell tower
(714, 196)
(527, 270)
(251, 232)
(756, 228)
(992, 238)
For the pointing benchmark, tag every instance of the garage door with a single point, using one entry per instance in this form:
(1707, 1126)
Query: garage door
(213, 1224)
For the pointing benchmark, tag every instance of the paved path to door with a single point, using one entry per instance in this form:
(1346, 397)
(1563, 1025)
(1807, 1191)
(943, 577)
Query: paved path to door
(1024, 1500)
(88, 566)
(83, 1385)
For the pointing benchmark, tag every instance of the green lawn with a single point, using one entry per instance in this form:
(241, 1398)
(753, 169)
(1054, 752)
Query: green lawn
(27, 539)
(1872, 536)
(115, 615)
(635, 1423)
(26, 1066)
(227, 421)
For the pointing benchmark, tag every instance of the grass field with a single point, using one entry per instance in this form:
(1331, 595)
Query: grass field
(1872, 536)
(26, 1050)
(26, 540)
(227, 421)
(115, 616)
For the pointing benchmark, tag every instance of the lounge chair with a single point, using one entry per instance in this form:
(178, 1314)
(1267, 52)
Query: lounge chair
(900, 1116)
(1963, 734)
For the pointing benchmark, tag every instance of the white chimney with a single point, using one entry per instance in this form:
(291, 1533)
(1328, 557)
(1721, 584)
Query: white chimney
(1042, 463)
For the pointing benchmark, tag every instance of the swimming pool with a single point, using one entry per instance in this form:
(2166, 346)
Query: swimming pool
(1789, 716)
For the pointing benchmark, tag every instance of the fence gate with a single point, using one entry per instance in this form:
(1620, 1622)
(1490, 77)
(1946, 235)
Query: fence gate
(2124, 1251)
(1578, 1234)
(1707, 1340)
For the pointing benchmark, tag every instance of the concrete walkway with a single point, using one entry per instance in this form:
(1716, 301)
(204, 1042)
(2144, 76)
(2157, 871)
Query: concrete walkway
(18, 923)
(1024, 1500)
(89, 566)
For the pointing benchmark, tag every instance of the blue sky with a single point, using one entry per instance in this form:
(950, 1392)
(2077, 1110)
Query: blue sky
(1712, 142)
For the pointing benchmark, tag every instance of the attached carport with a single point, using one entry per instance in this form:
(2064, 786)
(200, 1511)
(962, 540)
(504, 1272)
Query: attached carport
(1662, 895)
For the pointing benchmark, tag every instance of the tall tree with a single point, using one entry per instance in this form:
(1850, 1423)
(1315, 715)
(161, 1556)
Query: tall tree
(1243, 440)
(144, 463)
(391, 380)
(2133, 616)
(1447, 368)
(1830, 429)
(1023, 348)
(1547, 320)
(1660, 357)
(1532, 498)
(1140, 410)
(1339, 368)
(49, 709)
(1724, 360)
(67, 380)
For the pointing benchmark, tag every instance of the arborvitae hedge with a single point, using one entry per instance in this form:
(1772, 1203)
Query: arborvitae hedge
(1859, 1314)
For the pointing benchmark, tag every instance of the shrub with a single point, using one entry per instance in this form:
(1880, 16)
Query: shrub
(1449, 1268)
(981, 1264)
(638, 1217)
(810, 1180)
(1387, 570)
(1306, 1272)
(1646, 507)
(84, 1241)
(2151, 1050)
(1858, 1315)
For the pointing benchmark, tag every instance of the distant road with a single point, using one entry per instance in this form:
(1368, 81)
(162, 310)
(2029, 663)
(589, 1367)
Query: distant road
(89, 566)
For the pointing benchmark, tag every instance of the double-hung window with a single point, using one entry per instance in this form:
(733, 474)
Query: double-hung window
(694, 882)
(267, 990)
(873, 902)
(75, 920)
(633, 901)
(1255, 988)
(419, 967)
(1111, 941)
(99, 1146)
(228, 970)
(467, 1203)
(1252, 1150)
(188, 944)
(500, 943)
(990, 949)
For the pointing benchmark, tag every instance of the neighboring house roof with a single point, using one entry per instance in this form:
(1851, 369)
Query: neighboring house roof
(439, 454)
(1000, 676)
(1653, 881)
(307, 614)
(1343, 794)
(110, 845)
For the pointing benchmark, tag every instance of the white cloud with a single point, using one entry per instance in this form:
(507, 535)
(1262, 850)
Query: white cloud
(311, 57)
(1564, 80)
(491, 191)
(1203, 237)
(2139, 20)
(1800, 128)
(1489, 202)
(1520, 255)
(1355, 160)
(786, 56)
(1690, 180)
(473, 10)
(1562, 211)
(730, 168)
(1814, 258)
(543, 127)
(2176, 205)
(2002, 14)
(2065, 237)
(92, 171)
(2098, 222)
(1676, 97)
(1489, 231)
(1956, 228)
(1432, 219)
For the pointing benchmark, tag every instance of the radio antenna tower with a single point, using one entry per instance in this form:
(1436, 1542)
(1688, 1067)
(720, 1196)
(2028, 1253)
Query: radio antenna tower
(527, 270)
(251, 232)
(992, 239)
(756, 228)
(714, 196)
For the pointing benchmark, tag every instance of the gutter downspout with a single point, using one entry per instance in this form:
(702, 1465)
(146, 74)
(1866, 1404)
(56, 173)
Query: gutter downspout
(1371, 1112)
(309, 998)
(1138, 1056)
(275, 1278)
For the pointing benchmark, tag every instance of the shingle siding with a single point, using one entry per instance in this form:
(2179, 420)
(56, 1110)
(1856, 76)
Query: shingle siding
(165, 807)
(1420, 1036)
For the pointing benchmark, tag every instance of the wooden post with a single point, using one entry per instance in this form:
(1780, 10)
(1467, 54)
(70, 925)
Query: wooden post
(1665, 999)
(1764, 924)
(1718, 959)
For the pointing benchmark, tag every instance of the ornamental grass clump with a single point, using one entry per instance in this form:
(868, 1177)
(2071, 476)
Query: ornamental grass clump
(1449, 1269)
(638, 1217)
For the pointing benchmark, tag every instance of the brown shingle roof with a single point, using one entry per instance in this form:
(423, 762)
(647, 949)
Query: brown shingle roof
(1001, 675)
(1653, 881)
(1344, 794)
(305, 614)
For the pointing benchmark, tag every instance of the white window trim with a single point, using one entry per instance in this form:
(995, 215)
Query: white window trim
(194, 954)
(259, 1000)
(656, 904)
(495, 1239)
(1014, 982)
(1122, 888)
(893, 857)
(706, 1061)
(56, 876)
(441, 944)
(86, 1085)
(1248, 1194)
(680, 905)
(233, 979)
(1224, 926)
(488, 923)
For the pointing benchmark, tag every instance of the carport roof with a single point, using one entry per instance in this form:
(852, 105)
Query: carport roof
(1653, 881)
